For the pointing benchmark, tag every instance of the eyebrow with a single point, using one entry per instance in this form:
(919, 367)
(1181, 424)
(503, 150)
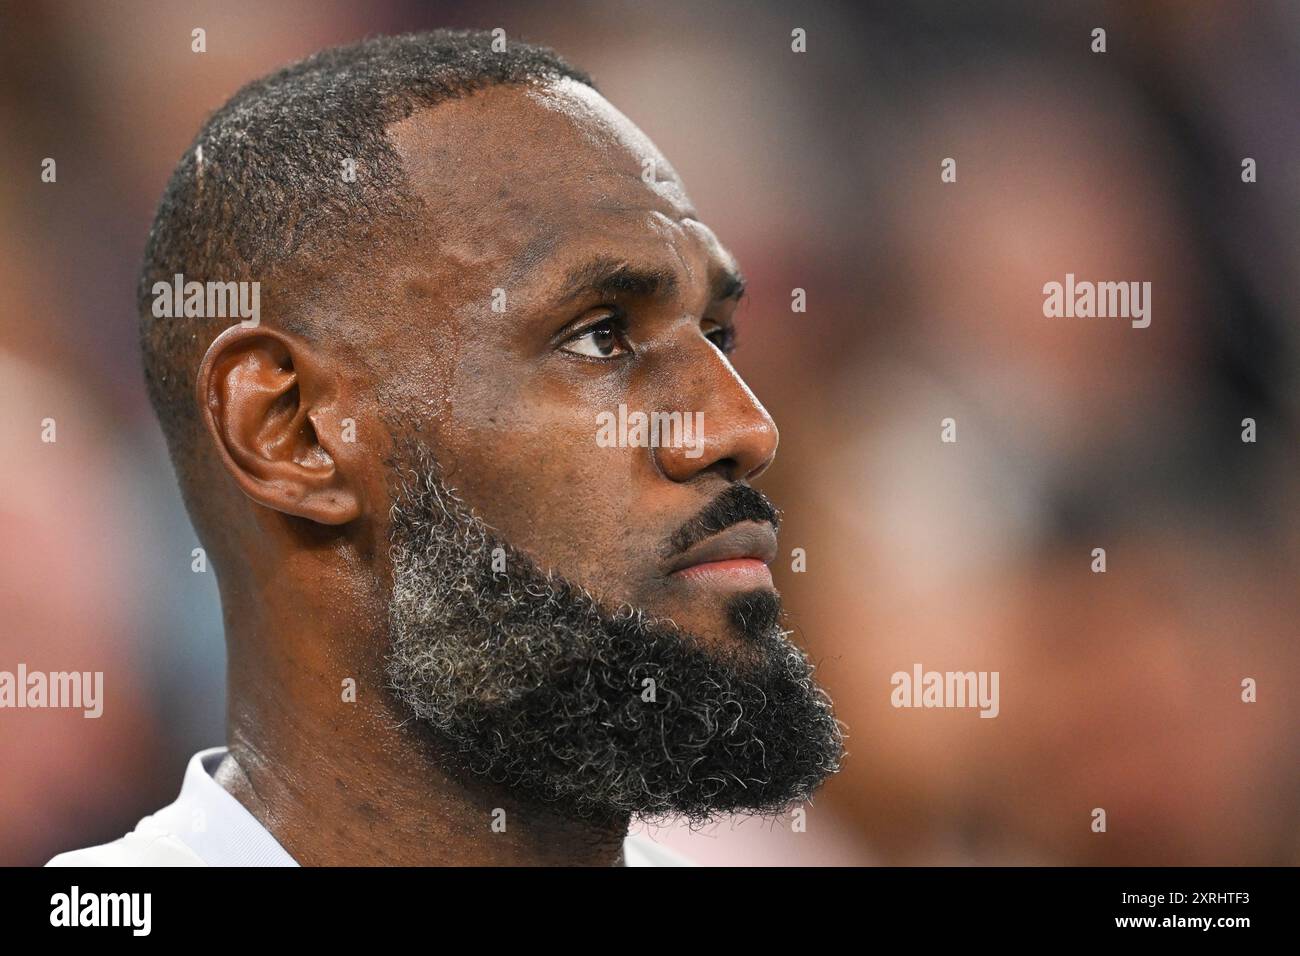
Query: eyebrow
(728, 284)
(608, 276)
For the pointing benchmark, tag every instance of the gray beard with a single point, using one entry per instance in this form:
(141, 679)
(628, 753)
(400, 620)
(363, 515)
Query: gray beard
(523, 678)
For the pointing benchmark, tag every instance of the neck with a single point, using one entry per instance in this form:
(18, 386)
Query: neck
(348, 779)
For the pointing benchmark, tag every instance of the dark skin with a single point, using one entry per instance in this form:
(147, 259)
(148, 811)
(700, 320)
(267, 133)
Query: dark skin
(614, 293)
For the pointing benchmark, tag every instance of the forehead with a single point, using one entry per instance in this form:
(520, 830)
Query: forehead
(517, 177)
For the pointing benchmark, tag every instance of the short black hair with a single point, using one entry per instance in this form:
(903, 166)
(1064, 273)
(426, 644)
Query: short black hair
(260, 194)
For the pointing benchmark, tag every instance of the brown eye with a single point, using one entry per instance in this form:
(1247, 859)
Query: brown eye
(722, 336)
(602, 340)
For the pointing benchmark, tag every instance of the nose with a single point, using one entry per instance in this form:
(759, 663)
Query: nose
(738, 437)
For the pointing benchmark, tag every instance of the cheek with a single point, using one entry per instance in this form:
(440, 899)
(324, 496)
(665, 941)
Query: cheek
(525, 457)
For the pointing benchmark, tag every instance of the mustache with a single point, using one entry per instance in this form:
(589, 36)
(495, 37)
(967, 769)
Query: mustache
(738, 503)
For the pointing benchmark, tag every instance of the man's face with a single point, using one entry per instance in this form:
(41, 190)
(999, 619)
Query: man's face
(625, 655)
(563, 285)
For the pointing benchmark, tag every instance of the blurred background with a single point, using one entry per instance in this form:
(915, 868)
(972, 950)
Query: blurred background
(821, 171)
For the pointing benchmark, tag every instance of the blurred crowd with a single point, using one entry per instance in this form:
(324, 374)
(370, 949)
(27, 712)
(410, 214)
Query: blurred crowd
(821, 171)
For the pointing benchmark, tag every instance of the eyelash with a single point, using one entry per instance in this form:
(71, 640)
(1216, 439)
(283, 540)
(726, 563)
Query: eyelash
(728, 333)
(614, 318)
(618, 319)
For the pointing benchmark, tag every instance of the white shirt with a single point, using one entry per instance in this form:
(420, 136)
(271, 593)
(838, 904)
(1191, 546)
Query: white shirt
(207, 826)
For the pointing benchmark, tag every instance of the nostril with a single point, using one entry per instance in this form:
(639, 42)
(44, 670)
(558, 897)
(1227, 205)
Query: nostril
(728, 468)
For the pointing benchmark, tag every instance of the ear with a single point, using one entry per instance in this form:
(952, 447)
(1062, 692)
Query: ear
(271, 407)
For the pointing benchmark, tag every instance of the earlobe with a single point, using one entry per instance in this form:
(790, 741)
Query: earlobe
(268, 404)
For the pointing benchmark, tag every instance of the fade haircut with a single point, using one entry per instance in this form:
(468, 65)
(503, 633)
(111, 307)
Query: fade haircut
(260, 195)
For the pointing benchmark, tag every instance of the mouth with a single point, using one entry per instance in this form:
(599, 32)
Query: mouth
(737, 557)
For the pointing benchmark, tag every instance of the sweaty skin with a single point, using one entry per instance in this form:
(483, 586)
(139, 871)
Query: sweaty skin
(526, 189)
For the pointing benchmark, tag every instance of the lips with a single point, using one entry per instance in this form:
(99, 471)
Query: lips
(747, 540)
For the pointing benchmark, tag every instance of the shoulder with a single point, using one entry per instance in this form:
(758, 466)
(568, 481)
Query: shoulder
(147, 845)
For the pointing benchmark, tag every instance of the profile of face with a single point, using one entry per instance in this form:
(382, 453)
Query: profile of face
(590, 622)
(647, 672)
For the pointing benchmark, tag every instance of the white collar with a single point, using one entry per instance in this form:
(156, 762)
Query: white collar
(214, 824)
